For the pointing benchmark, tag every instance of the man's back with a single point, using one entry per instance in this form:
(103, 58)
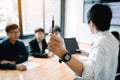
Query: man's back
(104, 56)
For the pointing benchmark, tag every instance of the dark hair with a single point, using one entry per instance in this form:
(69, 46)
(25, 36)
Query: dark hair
(116, 34)
(101, 16)
(39, 30)
(11, 27)
(57, 28)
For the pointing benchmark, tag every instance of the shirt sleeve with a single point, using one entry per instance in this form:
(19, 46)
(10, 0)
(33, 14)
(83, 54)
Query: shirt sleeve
(7, 66)
(88, 72)
(93, 66)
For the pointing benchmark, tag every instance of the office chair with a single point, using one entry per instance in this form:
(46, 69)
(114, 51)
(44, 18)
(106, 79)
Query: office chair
(118, 69)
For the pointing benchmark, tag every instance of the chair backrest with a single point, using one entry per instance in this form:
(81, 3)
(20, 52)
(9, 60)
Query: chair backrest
(71, 45)
(118, 69)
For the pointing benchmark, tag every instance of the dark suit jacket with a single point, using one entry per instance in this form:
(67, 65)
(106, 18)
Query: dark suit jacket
(35, 50)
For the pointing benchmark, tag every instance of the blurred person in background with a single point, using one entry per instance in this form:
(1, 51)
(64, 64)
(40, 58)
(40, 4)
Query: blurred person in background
(38, 45)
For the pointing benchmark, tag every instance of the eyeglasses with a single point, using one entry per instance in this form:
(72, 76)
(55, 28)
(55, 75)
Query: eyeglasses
(14, 33)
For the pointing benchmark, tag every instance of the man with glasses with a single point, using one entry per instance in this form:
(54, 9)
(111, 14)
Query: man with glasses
(12, 50)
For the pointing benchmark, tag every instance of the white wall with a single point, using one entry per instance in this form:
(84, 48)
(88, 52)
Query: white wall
(73, 22)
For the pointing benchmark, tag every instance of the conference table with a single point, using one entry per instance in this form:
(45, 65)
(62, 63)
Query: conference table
(41, 69)
(46, 69)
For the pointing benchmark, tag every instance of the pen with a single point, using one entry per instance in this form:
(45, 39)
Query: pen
(53, 24)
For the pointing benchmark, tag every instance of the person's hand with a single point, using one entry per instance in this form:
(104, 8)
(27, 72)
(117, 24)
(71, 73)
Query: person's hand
(6, 62)
(50, 54)
(82, 52)
(55, 45)
(21, 67)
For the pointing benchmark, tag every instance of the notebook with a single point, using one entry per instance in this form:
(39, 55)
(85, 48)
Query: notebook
(71, 45)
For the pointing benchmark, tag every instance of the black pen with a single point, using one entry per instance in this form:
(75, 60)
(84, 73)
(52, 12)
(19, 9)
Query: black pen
(53, 24)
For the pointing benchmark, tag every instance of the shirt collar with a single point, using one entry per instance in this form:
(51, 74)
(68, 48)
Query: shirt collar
(101, 33)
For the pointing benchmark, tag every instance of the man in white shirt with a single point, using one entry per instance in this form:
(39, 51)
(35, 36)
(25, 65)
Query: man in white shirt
(103, 58)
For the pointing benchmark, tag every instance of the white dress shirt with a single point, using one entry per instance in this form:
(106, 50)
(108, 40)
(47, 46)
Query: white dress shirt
(40, 46)
(103, 58)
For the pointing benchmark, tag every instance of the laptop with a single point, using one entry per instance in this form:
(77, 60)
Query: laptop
(71, 45)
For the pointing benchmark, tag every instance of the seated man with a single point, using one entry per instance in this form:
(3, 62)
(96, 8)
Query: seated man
(12, 50)
(57, 31)
(38, 45)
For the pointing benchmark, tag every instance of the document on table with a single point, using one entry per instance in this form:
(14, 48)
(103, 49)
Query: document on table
(82, 57)
(30, 65)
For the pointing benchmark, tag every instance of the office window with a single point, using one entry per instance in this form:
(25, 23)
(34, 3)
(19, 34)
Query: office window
(39, 13)
(52, 8)
(8, 14)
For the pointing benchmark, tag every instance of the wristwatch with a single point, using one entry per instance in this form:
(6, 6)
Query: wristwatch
(65, 58)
